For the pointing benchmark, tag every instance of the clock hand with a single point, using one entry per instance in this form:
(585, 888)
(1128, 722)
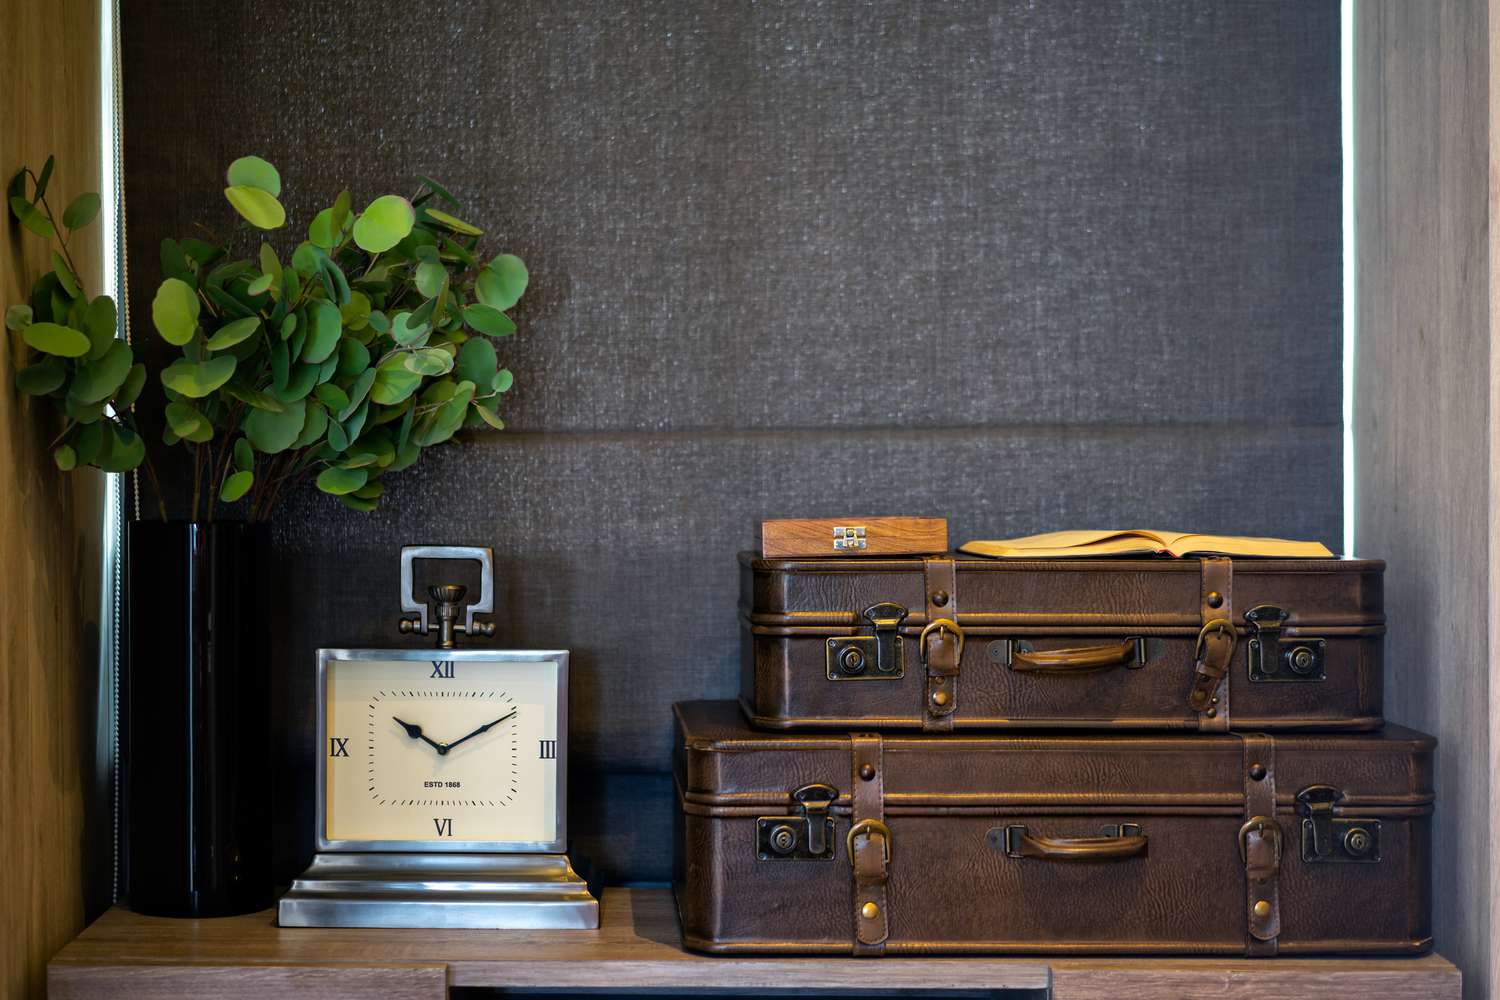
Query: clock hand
(415, 732)
(482, 729)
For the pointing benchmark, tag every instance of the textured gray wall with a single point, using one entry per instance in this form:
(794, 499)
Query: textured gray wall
(1025, 265)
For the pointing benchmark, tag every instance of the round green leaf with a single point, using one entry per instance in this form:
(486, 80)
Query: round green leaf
(502, 283)
(457, 225)
(354, 357)
(18, 318)
(503, 380)
(99, 325)
(188, 423)
(122, 448)
(429, 361)
(338, 438)
(260, 285)
(81, 210)
(236, 485)
(174, 311)
(358, 503)
(404, 331)
(340, 481)
(489, 321)
(358, 391)
(53, 338)
(384, 223)
(429, 278)
(332, 397)
(234, 332)
(272, 432)
(476, 361)
(312, 430)
(393, 384)
(65, 275)
(356, 312)
(321, 231)
(489, 416)
(130, 391)
(197, 379)
(32, 219)
(98, 380)
(244, 455)
(257, 207)
(252, 171)
(65, 457)
(323, 338)
(47, 375)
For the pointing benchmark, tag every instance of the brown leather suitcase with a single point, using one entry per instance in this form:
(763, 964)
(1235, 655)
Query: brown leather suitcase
(1059, 843)
(960, 642)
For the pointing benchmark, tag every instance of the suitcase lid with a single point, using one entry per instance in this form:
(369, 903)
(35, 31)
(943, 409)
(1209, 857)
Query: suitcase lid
(1144, 595)
(726, 768)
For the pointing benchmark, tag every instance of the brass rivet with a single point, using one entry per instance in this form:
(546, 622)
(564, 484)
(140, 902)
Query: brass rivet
(1262, 909)
(1257, 772)
(1215, 599)
(867, 772)
(939, 598)
(940, 697)
(1214, 700)
(1211, 712)
(870, 911)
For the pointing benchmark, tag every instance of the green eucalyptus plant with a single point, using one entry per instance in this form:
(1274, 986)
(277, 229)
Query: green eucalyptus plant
(372, 341)
(73, 357)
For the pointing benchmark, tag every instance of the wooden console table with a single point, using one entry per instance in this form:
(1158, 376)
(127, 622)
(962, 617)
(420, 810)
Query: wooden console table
(637, 947)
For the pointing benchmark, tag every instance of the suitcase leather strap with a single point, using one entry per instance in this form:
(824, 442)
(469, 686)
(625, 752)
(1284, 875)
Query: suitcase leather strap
(941, 645)
(1217, 638)
(869, 845)
(1260, 846)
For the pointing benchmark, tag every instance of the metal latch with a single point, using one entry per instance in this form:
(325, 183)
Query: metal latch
(1274, 658)
(848, 538)
(876, 657)
(1330, 838)
(805, 836)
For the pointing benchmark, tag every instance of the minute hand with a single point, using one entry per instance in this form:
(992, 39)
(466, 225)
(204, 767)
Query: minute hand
(482, 729)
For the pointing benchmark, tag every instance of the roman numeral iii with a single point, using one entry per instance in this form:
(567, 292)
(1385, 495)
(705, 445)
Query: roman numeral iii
(338, 747)
(444, 826)
(549, 750)
(442, 668)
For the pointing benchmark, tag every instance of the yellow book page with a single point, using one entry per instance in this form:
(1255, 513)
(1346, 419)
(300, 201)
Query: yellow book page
(1082, 544)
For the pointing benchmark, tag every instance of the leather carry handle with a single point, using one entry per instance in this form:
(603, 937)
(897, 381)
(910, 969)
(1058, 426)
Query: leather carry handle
(1133, 652)
(1117, 844)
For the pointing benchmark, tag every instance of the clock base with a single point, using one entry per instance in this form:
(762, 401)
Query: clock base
(479, 891)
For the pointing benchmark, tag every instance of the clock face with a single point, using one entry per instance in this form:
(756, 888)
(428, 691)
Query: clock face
(447, 754)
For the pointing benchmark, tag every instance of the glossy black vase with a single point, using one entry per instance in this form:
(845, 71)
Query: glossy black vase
(194, 725)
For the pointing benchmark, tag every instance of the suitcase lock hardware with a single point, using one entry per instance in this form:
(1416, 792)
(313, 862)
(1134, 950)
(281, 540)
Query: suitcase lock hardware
(877, 657)
(806, 836)
(1273, 657)
(1330, 838)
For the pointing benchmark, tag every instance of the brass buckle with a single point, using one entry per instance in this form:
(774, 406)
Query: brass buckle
(869, 827)
(1217, 625)
(1262, 825)
(941, 625)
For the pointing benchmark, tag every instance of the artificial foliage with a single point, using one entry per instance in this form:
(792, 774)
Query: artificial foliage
(338, 359)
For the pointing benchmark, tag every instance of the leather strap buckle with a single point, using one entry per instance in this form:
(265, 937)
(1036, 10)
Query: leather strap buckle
(1268, 828)
(941, 626)
(870, 828)
(1218, 625)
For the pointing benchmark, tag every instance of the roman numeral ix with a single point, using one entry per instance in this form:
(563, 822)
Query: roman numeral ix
(338, 747)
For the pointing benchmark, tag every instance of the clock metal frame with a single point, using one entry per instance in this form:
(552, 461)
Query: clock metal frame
(421, 655)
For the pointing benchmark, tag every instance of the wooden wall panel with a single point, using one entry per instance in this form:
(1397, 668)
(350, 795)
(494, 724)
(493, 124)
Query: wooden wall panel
(1425, 427)
(50, 835)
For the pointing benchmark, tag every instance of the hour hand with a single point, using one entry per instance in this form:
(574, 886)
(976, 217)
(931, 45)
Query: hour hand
(415, 732)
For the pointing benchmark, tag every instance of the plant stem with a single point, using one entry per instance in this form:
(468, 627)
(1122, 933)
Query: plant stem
(57, 231)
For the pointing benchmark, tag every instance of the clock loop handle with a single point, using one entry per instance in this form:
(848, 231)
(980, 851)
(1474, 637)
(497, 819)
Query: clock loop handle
(483, 555)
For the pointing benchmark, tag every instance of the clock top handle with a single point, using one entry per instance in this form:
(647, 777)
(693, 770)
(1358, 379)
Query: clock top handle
(482, 555)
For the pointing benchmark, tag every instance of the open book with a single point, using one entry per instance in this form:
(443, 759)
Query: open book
(1076, 544)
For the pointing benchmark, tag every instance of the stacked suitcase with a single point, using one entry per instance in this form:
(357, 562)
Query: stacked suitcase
(1119, 756)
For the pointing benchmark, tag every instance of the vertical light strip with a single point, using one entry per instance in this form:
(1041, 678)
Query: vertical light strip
(1346, 104)
(113, 509)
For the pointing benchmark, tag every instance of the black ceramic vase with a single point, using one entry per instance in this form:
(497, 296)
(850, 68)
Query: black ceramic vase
(194, 721)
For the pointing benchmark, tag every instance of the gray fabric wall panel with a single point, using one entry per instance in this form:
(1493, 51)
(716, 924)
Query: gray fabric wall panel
(1028, 266)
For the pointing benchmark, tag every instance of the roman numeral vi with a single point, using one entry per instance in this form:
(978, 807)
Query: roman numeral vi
(444, 826)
